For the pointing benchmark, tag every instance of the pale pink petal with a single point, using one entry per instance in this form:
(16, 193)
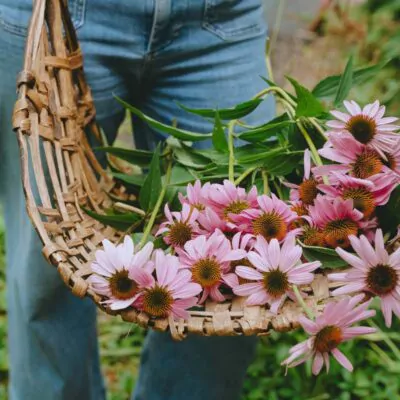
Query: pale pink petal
(342, 359)
(248, 273)
(317, 363)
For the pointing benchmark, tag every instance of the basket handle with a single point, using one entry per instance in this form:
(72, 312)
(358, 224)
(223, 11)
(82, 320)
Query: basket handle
(56, 12)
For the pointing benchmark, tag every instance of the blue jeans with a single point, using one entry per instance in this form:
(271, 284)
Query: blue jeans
(152, 53)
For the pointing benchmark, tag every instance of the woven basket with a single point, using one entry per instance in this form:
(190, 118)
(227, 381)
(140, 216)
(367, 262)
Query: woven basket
(53, 115)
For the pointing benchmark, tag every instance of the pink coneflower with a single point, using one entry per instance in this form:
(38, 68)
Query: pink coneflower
(353, 158)
(210, 221)
(271, 219)
(337, 219)
(307, 190)
(228, 199)
(275, 269)
(113, 268)
(330, 329)
(196, 195)
(392, 162)
(374, 271)
(367, 125)
(180, 227)
(172, 293)
(209, 262)
(366, 194)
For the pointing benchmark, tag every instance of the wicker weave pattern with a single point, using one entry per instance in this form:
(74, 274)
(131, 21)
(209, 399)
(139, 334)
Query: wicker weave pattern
(52, 116)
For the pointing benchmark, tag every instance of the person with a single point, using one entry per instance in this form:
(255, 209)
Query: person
(154, 54)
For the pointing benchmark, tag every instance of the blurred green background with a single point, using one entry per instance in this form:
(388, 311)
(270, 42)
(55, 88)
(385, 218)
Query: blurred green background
(308, 46)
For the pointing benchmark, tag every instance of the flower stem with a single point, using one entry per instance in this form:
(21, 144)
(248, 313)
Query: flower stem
(264, 175)
(244, 175)
(318, 127)
(157, 207)
(303, 304)
(231, 166)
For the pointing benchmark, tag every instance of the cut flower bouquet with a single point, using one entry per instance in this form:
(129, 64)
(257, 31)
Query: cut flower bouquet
(245, 220)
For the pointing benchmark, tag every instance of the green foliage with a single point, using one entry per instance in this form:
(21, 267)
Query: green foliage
(218, 135)
(237, 112)
(307, 104)
(329, 86)
(151, 188)
(328, 257)
(345, 84)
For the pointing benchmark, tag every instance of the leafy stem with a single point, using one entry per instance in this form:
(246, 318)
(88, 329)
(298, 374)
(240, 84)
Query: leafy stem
(244, 175)
(157, 206)
(231, 165)
(303, 304)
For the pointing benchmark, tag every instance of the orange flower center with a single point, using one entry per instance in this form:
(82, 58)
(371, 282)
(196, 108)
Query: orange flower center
(121, 286)
(206, 272)
(300, 209)
(312, 236)
(382, 279)
(327, 339)
(157, 301)
(308, 191)
(236, 207)
(390, 162)
(363, 200)
(336, 233)
(362, 127)
(180, 233)
(367, 164)
(270, 226)
(276, 282)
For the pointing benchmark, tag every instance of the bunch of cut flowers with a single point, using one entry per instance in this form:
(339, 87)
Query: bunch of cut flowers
(245, 221)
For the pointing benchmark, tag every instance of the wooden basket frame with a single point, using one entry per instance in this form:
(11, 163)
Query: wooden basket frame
(53, 115)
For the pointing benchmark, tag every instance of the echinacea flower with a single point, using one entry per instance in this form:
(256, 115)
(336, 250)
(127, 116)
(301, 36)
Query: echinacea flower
(373, 271)
(275, 270)
(307, 190)
(271, 219)
(367, 126)
(209, 262)
(352, 157)
(180, 227)
(328, 331)
(392, 161)
(210, 221)
(171, 293)
(196, 195)
(337, 219)
(113, 268)
(366, 194)
(228, 199)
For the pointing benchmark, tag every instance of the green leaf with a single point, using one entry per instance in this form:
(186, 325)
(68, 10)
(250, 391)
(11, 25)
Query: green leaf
(134, 180)
(121, 222)
(328, 86)
(259, 157)
(180, 134)
(133, 156)
(345, 84)
(328, 257)
(239, 111)
(264, 132)
(307, 104)
(151, 188)
(218, 136)
(189, 158)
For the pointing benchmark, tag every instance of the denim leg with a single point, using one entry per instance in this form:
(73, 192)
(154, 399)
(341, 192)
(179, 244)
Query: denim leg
(201, 69)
